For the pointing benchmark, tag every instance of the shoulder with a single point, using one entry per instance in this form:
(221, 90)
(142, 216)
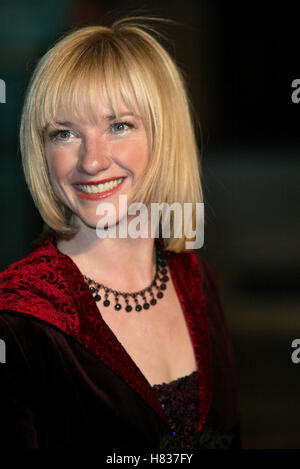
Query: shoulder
(211, 292)
(209, 280)
(27, 335)
(27, 344)
(193, 272)
(197, 268)
(32, 266)
(27, 278)
(17, 332)
(208, 273)
(43, 284)
(216, 318)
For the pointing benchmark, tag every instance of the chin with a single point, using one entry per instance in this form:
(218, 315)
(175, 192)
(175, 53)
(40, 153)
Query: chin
(95, 224)
(86, 220)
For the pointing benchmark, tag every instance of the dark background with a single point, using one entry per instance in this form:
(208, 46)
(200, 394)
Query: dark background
(239, 59)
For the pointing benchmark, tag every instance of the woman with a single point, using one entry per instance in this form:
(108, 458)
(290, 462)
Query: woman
(112, 341)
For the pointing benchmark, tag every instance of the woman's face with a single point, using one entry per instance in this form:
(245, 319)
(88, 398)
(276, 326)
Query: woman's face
(83, 158)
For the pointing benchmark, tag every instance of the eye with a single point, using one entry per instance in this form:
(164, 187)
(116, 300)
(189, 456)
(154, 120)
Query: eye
(62, 135)
(121, 127)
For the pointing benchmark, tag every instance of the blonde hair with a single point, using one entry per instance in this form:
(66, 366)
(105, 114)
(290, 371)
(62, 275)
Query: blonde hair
(132, 66)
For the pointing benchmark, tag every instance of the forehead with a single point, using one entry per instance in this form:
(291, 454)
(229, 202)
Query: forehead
(81, 76)
(91, 105)
(101, 111)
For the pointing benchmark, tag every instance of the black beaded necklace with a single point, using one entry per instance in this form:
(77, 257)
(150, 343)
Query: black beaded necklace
(159, 282)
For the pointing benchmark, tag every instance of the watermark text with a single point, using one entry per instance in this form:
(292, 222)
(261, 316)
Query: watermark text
(2, 91)
(295, 357)
(2, 351)
(296, 93)
(172, 219)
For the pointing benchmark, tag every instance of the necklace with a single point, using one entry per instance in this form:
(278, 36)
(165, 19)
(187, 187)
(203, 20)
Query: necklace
(158, 283)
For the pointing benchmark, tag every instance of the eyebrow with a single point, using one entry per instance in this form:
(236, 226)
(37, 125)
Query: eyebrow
(65, 123)
(122, 114)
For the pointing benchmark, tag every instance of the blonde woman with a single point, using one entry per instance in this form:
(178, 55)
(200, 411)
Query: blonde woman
(112, 341)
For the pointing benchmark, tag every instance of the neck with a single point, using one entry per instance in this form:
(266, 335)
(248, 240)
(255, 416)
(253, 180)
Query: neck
(124, 264)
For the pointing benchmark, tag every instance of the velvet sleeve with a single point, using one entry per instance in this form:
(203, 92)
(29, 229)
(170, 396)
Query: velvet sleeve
(17, 420)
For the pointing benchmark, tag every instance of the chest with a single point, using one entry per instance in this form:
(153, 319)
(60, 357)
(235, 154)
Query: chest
(157, 339)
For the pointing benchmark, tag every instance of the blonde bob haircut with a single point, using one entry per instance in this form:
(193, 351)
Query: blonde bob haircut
(128, 63)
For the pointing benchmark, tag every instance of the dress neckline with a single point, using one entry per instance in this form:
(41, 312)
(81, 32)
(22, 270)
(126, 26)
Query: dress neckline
(177, 380)
(37, 284)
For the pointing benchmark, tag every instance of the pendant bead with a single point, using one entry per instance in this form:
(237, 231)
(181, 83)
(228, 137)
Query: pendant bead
(158, 283)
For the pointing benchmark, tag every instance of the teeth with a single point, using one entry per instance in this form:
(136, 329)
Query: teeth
(98, 188)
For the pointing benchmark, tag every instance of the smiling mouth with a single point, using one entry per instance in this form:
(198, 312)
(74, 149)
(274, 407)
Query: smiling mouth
(99, 188)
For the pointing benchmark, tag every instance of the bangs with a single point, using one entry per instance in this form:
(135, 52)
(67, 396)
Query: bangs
(97, 72)
(122, 66)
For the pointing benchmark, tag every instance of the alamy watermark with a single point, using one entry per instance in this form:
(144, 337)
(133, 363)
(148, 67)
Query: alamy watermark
(295, 96)
(2, 91)
(2, 351)
(295, 357)
(146, 225)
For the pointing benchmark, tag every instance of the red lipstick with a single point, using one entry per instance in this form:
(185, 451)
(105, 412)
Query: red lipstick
(103, 181)
(99, 195)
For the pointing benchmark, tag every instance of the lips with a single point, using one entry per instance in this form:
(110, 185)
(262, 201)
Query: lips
(97, 192)
(94, 183)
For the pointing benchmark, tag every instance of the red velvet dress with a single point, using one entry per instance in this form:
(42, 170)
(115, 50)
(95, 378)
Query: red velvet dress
(68, 382)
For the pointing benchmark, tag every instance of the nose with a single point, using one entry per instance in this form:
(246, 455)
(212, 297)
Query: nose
(94, 154)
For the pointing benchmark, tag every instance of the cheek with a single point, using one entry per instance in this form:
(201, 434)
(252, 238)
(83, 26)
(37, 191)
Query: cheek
(59, 165)
(137, 156)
